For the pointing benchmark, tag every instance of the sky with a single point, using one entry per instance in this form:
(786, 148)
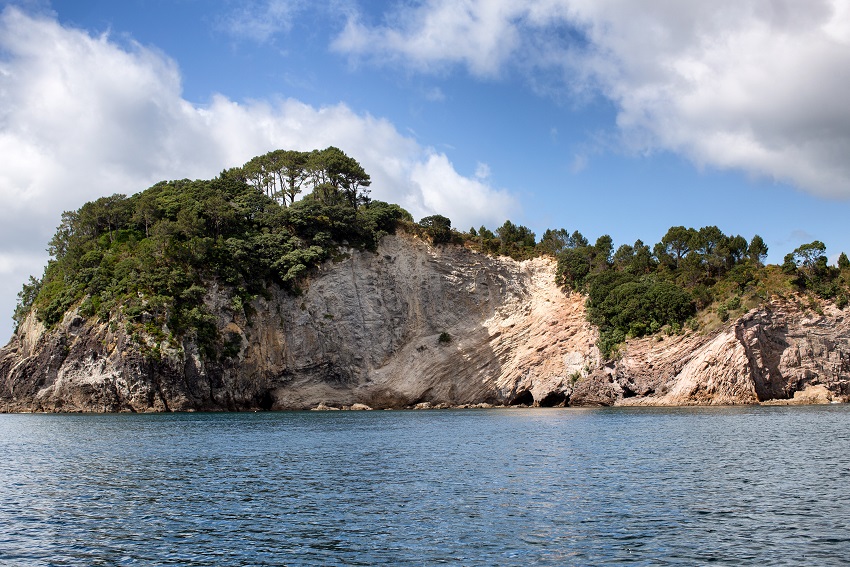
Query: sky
(619, 117)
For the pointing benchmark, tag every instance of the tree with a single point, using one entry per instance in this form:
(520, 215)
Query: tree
(257, 174)
(623, 257)
(635, 259)
(438, 227)
(509, 233)
(26, 297)
(677, 242)
(61, 241)
(103, 215)
(604, 247)
(146, 211)
(809, 258)
(708, 243)
(290, 169)
(219, 213)
(553, 241)
(517, 241)
(573, 268)
(642, 262)
(843, 262)
(577, 240)
(809, 255)
(735, 249)
(485, 233)
(344, 174)
(757, 250)
(602, 250)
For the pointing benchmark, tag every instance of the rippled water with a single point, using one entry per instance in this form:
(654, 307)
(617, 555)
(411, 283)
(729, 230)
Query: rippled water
(736, 486)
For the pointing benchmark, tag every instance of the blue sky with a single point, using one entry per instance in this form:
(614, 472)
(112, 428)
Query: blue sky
(607, 116)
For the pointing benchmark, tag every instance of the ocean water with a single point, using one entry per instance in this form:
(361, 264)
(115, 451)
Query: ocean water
(729, 486)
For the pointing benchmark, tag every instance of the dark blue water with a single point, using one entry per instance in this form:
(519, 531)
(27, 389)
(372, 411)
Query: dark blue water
(743, 486)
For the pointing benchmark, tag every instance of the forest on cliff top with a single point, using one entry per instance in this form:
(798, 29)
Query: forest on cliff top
(147, 260)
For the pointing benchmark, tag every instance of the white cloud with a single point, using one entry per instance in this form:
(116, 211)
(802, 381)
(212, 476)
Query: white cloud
(260, 21)
(482, 171)
(435, 94)
(444, 189)
(478, 34)
(81, 117)
(757, 85)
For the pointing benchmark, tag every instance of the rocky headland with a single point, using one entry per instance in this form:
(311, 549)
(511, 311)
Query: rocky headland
(417, 325)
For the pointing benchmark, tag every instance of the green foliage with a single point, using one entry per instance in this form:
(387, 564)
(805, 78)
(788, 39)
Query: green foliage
(516, 241)
(378, 219)
(808, 264)
(553, 242)
(438, 227)
(602, 251)
(573, 268)
(151, 257)
(675, 245)
(609, 342)
(486, 241)
(444, 338)
(690, 270)
(26, 297)
(329, 174)
(757, 250)
(734, 303)
(577, 260)
(623, 304)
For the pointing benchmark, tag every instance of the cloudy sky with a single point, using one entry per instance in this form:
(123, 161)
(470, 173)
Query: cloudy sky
(620, 117)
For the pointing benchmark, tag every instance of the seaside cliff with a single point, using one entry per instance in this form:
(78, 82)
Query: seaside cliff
(414, 324)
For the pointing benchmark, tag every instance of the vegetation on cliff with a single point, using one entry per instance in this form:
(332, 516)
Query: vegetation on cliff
(148, 260)
(692, 277)
(151, 257)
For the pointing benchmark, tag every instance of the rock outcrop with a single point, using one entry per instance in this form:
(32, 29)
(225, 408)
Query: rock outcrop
(776, 352)
(420, 326)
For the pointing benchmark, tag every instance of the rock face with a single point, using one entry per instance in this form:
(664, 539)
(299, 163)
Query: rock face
(415, 325)
(778, 352)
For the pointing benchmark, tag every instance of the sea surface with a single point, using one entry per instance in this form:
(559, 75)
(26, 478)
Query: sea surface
(616, 486)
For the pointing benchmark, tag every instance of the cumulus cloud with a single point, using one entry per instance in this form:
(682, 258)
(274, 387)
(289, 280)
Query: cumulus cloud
(755, 85)
(466, 196)
(477, 34)
(81, 117)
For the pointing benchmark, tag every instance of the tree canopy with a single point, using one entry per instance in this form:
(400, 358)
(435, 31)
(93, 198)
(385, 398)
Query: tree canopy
(329, 174)
(151, 256)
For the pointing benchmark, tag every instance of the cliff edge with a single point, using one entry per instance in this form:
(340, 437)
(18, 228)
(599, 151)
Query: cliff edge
(414, 324)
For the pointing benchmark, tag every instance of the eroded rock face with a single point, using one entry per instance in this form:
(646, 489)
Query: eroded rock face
(366, 330)
(771, 353)
(420, 326)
